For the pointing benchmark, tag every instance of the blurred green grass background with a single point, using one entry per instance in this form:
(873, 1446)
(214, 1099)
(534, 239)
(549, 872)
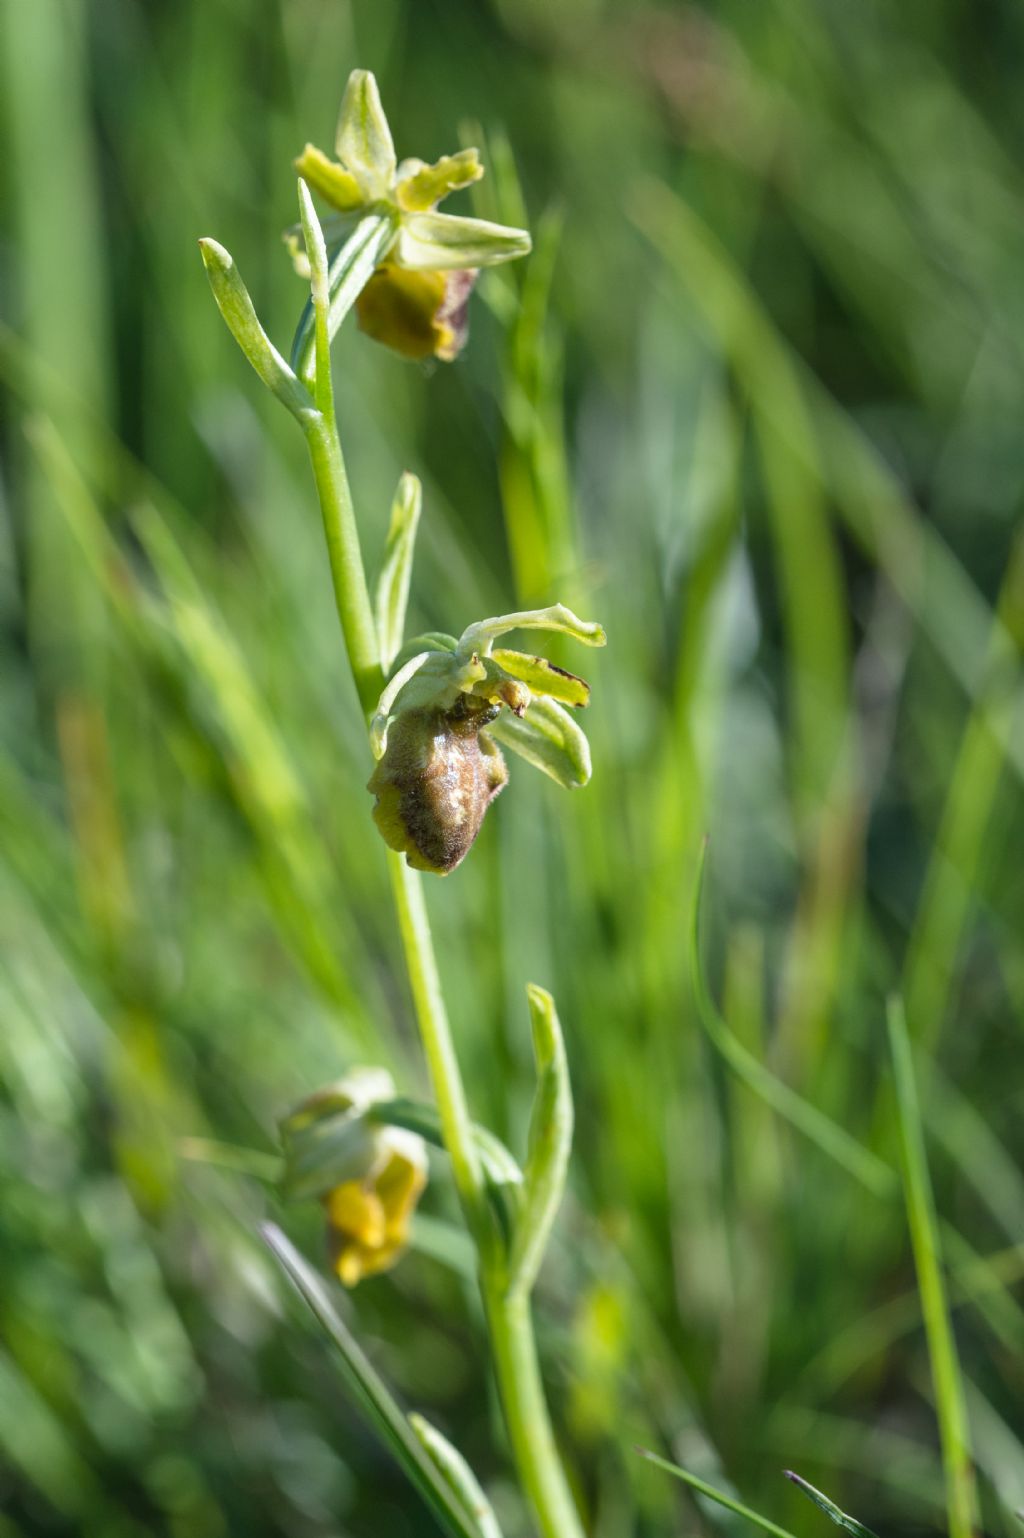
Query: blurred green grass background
(755, 403)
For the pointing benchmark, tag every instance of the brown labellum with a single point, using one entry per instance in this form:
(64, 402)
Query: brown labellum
(439, 774)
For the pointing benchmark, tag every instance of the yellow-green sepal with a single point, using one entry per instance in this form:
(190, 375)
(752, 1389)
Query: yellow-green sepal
(421, 186)
(556, 618)
(329, 180)
(549, 739)
(363, 140)
(543, 677)
(431, 242)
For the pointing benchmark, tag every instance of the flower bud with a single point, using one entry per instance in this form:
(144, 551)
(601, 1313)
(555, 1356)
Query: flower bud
(368, 1176)
(437, 777)
(368, 1219)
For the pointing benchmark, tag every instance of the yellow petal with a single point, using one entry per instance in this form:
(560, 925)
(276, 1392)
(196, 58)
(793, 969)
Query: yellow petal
(355, 1209)
(326, 177)
(424, 186)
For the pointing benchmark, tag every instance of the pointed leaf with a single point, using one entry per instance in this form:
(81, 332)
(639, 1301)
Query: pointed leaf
(430, 242)
(550, 1141)
(393, 583)
(350, 271)
(543, 677)
(420, 186)
(364, 140)
(238, 310)
(316, 253)
(335, 227)
(372, 1394)
(459, 1475)
(549, 739)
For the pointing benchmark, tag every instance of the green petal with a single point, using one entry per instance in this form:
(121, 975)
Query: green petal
(364, 140)
(481, 636)
(543, 677)
(437, 242)
(326, 177)
(549, 739)
(424, 186)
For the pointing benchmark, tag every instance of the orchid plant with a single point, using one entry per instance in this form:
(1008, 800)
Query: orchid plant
(438, 711)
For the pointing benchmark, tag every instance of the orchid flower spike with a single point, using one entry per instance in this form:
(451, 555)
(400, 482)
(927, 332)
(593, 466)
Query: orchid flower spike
(417, 299)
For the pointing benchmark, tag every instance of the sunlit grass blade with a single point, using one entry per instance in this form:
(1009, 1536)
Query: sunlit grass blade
(703, 1488)
(372, 1394)
(832, 1139)
(950, 1408)
(839, 1517)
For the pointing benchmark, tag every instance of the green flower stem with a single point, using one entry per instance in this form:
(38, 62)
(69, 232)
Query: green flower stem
(508, 1317)
(526, 1411)
(456, 1126)
(350, 591)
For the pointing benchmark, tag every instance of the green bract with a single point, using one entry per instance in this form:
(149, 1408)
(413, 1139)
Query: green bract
(417, 318)
(436, 731)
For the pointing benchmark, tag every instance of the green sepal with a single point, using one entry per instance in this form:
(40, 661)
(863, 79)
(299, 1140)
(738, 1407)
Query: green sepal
(429, 641)
(543, 677)
(431, 242)
(392, 594)
(324, 1151)
(421, 186)
(363, 141)
(549, 739)
(481, 636)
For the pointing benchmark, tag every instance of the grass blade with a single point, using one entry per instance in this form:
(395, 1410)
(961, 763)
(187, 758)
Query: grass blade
(714, 1495)
(954, 1435)
(372, 1394)
(831, 1138)
(839, 1517)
